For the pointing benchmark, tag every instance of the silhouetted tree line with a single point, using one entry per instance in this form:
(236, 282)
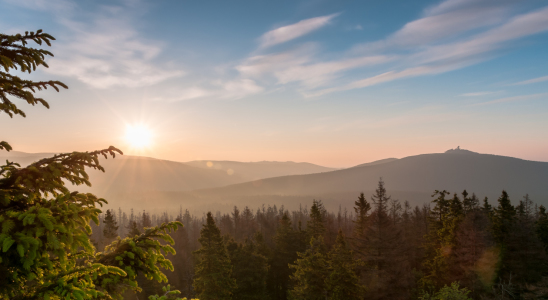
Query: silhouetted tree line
(456, 246)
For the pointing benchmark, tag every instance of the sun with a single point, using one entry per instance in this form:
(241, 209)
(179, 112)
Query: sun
(138, 136)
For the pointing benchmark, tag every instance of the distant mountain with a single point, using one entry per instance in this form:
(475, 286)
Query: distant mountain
(411, 178)
(377, 162)
(147, 183)
(261, 169)
(134, 174)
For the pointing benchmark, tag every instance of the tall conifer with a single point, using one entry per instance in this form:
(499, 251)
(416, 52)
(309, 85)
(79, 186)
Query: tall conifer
(311, 270)
(110, 231)
(342, 281)
(213, 272)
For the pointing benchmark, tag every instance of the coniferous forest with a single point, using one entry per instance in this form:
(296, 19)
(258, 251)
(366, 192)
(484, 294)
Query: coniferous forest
(457, 246)
(57, 243)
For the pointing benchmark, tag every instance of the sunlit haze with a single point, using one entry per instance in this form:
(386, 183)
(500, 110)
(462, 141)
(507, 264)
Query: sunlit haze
(333, 83)
(138, 136)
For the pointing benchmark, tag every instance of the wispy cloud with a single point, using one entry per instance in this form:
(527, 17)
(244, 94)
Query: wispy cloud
(105, 50)
(478, 94)
(513, 99)
(442, 22)
(450, 56)
(534, 80)
(293, 31)
(299, 65)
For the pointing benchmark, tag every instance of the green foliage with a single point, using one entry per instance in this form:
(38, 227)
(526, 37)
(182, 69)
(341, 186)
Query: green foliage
(362, 208)
(168, 295)
(288, 242)
(441, 240)
(133, 229)
(503, 218)
(110, 230)
(315, 225)
(250, 269)
(448, 293)
(213, 271)
(142, 254)
(46, 252)
(311, 271)
(342, 281)
(14, 54)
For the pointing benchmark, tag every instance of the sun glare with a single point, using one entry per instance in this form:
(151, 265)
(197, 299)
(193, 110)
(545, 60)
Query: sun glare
(138, 136)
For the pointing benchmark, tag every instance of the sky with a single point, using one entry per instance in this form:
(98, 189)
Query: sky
(336, 83)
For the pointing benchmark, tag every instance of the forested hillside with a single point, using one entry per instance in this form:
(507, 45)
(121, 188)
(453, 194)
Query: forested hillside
(380, 248)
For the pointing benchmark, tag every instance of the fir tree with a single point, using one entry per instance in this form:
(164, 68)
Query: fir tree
(342, 281)
(311, 271)
(440, 241)
(287, 243)
(213, 272)
(382, 247)
(110, 231)
(133, 229)
(250, 269)
(315, 225)
(487, 208)
(362, 208)
(542, 226)
(503, 218)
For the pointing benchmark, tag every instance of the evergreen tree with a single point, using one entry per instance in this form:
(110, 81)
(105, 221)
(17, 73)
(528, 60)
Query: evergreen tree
(524, 256)
(315, 225)
(487, 208)
(213, 280)
(382, 248)
(542, 226)
(287, 243)
(249, 270)
(110, 230)
(362, 208)
(503, 218)
(311, 271)
(46, 248)
(133, 229)
(342, 281)
(440, 241)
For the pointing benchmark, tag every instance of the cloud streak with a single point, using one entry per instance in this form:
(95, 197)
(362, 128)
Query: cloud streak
(293, 31)
(513, 99)
(534, 80)
(450, 56)
(106, 52)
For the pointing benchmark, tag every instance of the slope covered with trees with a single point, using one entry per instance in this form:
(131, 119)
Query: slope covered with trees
(457, 246)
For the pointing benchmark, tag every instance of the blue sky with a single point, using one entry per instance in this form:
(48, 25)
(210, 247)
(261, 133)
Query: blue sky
(330, 82)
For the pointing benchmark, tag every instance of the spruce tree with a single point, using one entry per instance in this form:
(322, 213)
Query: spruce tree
(503, 218)
(315, 225)
(440, 240)
(288, 242)
(382, 246)
(110, 231)
(46, 248)
(362, 208)
(311, 271)
(342, 281)
(542, 226)
(213, 271)
(250, 269)
(133, 229)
